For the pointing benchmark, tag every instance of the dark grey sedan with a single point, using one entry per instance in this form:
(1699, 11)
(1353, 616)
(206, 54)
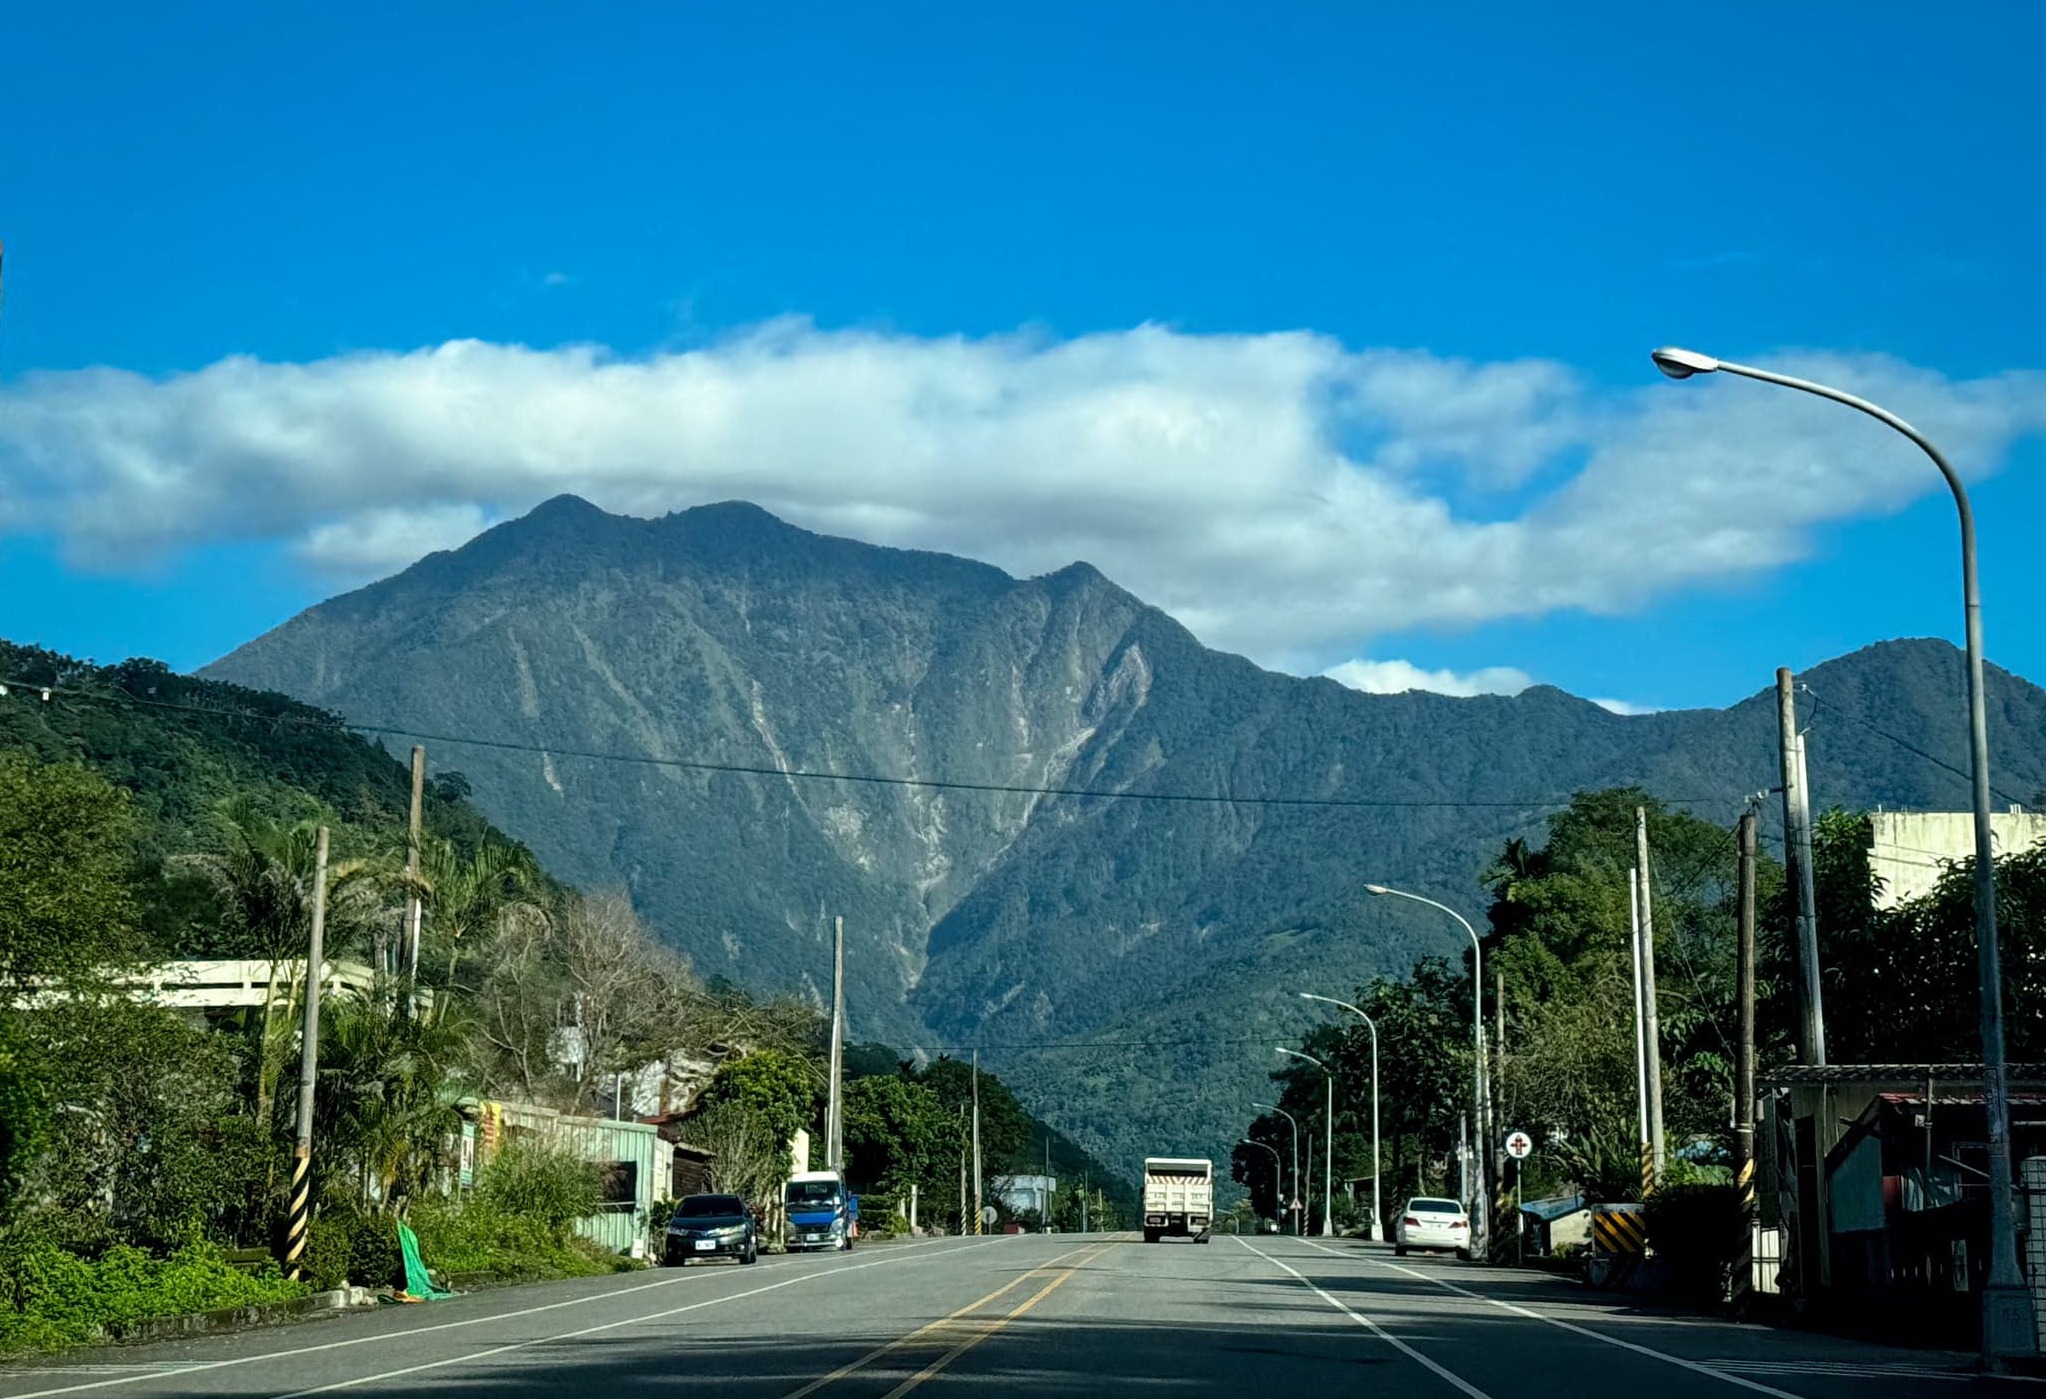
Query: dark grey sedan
(711, 1226)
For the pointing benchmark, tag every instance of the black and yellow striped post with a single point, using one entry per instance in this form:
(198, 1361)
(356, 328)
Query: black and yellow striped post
(299, 1214)
(1647, 1169)
(1744, 1254)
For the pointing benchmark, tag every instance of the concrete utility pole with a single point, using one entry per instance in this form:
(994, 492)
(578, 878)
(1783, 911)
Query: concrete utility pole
(1744, 977)
(299, 1215)
(1797, 854)
(1640, 1022)
(979, 1225)
(1744, 1067)
(834, 1113)
(414, 912)
(1651, 1032)
(2008, 1325)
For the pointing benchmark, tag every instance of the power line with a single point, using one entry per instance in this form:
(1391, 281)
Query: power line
(1904, 743)
(812, 775)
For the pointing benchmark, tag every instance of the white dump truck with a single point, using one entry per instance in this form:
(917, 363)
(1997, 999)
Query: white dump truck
(1179, 1198)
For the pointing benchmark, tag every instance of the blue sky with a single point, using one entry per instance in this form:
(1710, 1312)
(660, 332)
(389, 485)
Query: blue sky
(1254, 250)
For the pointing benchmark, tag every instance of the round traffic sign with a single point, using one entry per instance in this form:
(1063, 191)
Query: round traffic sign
(1518, 1145)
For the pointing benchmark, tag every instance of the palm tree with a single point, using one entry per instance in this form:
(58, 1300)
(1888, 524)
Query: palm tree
(264, 882)
(386, 1105)
(466, 900)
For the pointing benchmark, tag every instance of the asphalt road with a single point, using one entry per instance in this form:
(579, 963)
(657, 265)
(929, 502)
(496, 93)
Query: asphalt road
(1037, 1316)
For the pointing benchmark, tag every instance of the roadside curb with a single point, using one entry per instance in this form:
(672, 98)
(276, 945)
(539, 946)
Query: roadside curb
(162, 1328)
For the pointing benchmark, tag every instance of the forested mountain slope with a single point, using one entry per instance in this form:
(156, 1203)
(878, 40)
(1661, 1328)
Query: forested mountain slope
(1017, 919)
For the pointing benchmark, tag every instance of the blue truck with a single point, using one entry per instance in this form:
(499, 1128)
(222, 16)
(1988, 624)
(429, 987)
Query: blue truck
(822, 1213)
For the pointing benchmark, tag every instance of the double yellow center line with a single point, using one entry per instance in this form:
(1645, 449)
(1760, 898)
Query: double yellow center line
(962, 1330)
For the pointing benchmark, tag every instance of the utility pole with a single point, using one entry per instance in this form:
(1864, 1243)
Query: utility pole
(1797, 854)
(963, 1228)
(1498, 1083)
(300, 1205)
(414, 912)
(1640, 1033)
(1744, 976)
(1650, 1027)
(1744, 1065)
(1463, 1156)
(834, 1113)
(977, 1174)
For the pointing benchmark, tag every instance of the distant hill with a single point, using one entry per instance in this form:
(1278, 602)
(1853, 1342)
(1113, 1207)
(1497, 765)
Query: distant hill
(1023, 922)
(193, 754)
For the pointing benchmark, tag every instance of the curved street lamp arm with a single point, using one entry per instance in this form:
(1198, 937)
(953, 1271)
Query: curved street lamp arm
(1403, 894)
(1876, 411)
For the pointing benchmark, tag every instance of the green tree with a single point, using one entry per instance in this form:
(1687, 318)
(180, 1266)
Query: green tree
(1005, 1127)
(467, 895)
(24, 1114)
(1901, 983)
(148, 1142)
(65, 850)
(385, 1101)
(899, 1133)
(263, 887)
(778, 1088)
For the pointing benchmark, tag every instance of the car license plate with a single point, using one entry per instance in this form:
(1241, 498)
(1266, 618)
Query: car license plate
(706, 1243)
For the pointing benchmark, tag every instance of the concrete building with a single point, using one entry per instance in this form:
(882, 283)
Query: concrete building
(1909, 850)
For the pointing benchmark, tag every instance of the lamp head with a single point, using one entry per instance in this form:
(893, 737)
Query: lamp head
(1682, 364)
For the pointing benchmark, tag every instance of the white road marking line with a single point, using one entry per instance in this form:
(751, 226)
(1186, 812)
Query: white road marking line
(387, 1337)
(1395, 1342)
(1692, 1365)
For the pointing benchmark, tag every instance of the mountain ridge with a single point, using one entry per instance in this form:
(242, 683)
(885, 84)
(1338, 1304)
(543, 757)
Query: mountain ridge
(724, 635)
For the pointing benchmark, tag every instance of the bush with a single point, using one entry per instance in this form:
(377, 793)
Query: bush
(345, 1247)
(543, 1183)
(62, 1299)
(1696, 1231)
(480, 1239)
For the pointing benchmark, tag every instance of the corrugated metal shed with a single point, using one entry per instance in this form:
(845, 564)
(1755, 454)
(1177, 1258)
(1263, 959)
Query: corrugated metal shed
(639, 1166)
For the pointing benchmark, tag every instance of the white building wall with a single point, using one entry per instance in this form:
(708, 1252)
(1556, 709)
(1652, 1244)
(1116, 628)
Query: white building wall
(1909, 850)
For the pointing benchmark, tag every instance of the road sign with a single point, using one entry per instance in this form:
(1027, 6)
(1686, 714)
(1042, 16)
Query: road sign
(1518, 1145)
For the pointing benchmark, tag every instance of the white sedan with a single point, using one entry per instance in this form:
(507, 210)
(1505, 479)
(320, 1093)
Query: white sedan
(1428, 1222)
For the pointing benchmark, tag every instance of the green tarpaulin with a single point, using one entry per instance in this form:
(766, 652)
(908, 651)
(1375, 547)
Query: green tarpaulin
(417, 1282)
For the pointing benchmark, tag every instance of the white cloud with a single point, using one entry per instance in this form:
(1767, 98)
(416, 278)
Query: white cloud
(1619, 706)
(365, 543)
(1396, 677)
(1285, 496)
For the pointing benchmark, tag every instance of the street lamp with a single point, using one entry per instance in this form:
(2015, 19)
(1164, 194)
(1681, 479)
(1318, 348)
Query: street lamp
(1328, 1149)
(1278, 1168)
(1298, 1227)
(2007, 1325)
(1377, 1215)
(1481, 1218)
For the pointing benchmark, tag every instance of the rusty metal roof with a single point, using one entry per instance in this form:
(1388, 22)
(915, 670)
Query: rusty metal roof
(1789, 1074)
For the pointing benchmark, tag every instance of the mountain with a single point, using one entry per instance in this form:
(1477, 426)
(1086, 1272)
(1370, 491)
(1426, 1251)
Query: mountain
(639, 700)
